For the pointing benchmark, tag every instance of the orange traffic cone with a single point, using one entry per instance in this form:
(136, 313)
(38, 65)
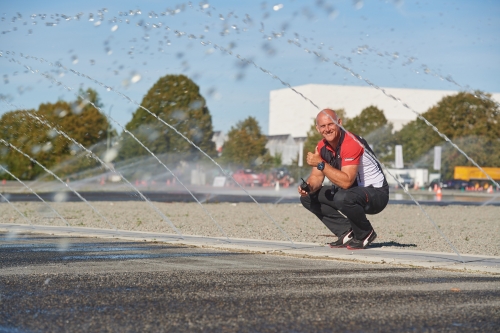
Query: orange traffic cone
(490, 189)
(439, 194)
(435, 187)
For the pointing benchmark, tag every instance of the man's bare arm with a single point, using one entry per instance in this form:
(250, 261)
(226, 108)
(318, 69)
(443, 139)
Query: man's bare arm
(343, 178)
(315, 181)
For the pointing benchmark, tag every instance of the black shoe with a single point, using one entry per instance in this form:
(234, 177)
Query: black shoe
(356, 244)
(343, 240)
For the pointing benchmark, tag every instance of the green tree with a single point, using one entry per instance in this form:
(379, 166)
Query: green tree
(79, 120)
(370, 119)
(176, 100)
(372, 124)
(471, 122)
(245, 144)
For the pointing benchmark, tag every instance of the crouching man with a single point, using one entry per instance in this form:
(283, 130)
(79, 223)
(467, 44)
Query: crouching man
(359, 185)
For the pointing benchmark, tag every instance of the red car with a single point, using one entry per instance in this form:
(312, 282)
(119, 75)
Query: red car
(247, 177)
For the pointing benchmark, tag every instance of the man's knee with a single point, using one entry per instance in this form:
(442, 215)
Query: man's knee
(345, 199)
(339, 199)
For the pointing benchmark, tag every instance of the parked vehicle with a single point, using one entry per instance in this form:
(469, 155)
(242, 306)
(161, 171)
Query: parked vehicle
(279, 175)
(247, 177)
(405, 179)
(437, 182)
(455, 184)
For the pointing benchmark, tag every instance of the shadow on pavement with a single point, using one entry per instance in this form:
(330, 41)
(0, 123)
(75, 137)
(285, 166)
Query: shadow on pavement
(391, 243)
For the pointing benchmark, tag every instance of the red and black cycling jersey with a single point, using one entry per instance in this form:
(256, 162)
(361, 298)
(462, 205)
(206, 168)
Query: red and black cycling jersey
(349, 151)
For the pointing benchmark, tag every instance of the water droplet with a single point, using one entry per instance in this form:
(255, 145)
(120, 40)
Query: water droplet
(195, 105)
(98, 23)
(12, 234)
(110, 155)
(114, 28)
(61, 197)
(153, 136)
(135, 78)
(92, 61)
(277, 7)
(52, 133)
(77, 108)
(358, 4)
(47, 147)
(63, 244)
(74, 59)
(36, 149)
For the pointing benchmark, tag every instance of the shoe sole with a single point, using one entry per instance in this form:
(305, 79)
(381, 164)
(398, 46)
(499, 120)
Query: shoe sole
(362, 248)
(341, 245)
(337, 246)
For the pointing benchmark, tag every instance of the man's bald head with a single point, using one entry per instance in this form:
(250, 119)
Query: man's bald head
(327, 124)
(329, 113)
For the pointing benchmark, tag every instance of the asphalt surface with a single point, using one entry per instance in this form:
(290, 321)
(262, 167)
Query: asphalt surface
(265, 196)
(73, 284)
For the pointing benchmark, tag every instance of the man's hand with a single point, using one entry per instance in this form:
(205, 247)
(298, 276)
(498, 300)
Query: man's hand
(302, 192)
(304, 188)
(314, 158)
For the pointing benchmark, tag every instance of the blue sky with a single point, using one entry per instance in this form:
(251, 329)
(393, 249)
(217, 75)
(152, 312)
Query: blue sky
(407, 44)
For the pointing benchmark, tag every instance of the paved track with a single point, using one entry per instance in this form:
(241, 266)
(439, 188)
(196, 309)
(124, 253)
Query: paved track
(61, 284)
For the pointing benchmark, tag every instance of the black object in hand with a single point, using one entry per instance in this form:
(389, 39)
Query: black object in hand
(305, 186)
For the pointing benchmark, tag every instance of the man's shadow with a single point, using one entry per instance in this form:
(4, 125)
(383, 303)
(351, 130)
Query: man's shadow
(379, 245)
(391, 244)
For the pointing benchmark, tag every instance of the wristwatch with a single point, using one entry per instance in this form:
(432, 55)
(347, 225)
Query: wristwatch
(321, 165)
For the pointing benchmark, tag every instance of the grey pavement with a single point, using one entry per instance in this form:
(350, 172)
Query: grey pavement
(434, 260)
(70, 283)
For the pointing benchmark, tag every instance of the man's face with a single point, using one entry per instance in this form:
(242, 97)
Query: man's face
(327, 127)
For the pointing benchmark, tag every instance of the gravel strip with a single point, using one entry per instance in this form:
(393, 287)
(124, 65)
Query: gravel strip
(471, 229)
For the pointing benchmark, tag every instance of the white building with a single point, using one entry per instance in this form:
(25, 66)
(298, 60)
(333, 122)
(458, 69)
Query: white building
(286, 146)
(289, 113)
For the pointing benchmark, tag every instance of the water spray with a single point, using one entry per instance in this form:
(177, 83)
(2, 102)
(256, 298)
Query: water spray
(59, 179)
(165, 123)
(29, 188)
(15, 208)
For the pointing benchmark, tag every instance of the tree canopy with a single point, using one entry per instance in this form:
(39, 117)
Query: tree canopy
(78, 119)
(372, 124)
(370, 119)
(470, 122)
(176, 100)
(245, 144)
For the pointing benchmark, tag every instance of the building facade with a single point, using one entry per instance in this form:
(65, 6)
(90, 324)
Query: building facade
(289, 113)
